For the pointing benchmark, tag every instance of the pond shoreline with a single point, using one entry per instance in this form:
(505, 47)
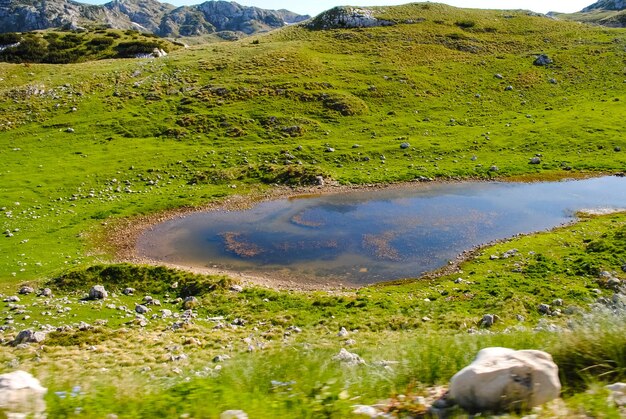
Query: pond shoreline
(123, 234)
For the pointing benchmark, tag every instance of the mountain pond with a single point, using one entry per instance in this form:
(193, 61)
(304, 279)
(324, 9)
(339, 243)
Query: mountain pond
(367, 236)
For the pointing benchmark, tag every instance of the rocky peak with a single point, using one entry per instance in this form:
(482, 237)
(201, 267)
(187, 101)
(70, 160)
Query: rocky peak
(347, 17)
(606, 5)
(145, 15)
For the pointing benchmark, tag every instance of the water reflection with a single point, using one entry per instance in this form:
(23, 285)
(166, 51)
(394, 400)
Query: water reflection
(374, 235)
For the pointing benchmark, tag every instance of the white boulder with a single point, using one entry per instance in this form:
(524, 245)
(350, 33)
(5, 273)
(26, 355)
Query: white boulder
(618, 394)
(21, 394)
(504, 380)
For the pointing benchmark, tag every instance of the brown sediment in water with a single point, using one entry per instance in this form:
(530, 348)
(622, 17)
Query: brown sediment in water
(298, 220)
(381, 246)
(233, 243)
(309, 244)
(121, 235)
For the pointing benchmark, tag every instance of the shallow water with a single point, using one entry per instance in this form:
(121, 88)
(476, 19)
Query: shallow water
(372, 235)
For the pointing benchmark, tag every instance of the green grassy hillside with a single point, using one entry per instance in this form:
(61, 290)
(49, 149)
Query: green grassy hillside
(89, 141)
(609, 18)
(71, 46)
(85, 146)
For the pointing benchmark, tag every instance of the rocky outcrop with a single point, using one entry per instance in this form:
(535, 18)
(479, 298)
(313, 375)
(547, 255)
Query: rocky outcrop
(504, 380)
(23, 16)
(606, 5)
(220, 16)
(347, 17)
(610, 13)
(144, 15)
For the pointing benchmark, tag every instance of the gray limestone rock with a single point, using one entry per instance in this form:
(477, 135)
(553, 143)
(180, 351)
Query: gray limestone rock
(503, 380)
(97, 292)
(543, 60)
(28, 336)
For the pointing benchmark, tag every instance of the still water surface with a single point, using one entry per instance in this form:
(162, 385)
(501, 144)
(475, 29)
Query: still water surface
(372, 235)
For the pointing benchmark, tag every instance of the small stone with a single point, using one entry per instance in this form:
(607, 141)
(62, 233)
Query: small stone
(499, 76)
(141, 309)
(82, 326)
(190, 302)
(494, 168)
(233, 414)
(544, 309)
(542, 60)
(343, 332)
(97, 292)
(558, 302)
(46, 292)
(329, 150)
(239, 322)
(508, 88)
(488, 320)
(617, 149)
(193, 341)
(368, 411)
(221, 358)
(348, 358)
(128, 291)
(25, 290)
(236, 288)
(535, 160)
(405, 146)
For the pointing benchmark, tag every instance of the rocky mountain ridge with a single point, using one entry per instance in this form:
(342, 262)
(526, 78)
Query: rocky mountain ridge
(610, 13)
(151, 16)
(606, 5)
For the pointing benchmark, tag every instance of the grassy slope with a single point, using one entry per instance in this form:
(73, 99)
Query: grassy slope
(162, 124)
(166, 120)
(68, 46)
(386, 322)
(610, 18)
